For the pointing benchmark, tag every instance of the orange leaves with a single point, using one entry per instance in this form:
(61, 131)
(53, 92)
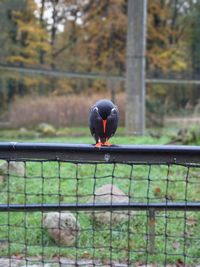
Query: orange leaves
(191, 221)
(30, 36)
(166, 51)
(157, 192)
(105, 26)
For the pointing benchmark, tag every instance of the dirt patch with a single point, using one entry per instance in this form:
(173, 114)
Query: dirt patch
(64, 262)
(61, 262)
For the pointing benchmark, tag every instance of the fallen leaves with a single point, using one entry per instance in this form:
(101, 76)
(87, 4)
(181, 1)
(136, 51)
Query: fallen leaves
(176, 245)
(191, 221)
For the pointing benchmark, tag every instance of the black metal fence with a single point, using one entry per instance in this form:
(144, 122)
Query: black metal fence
(77, 205)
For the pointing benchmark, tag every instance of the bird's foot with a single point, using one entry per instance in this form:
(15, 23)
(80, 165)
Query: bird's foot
(99, 144)
(107, 144)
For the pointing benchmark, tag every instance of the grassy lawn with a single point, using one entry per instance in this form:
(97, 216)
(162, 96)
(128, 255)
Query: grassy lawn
(177, 235)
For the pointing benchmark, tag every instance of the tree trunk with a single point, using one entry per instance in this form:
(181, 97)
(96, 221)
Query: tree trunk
(53, 33)
(41, 53)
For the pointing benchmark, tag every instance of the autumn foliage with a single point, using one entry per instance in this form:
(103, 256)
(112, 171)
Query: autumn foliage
(90, 36)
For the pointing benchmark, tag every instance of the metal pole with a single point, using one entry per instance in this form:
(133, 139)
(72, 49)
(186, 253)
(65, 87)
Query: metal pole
(135, 70)
(137, 154)
(151, 233)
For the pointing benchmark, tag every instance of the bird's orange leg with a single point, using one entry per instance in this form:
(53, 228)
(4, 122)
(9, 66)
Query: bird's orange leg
(99, 144)
(106, 143)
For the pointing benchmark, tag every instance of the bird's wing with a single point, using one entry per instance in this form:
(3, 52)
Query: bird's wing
(92, 119)
(112, 123)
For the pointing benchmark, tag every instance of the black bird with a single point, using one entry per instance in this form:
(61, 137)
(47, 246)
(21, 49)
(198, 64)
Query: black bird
(103, 121)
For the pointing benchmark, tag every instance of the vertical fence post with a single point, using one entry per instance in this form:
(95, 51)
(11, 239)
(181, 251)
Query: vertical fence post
(135, 67)
(151, 233)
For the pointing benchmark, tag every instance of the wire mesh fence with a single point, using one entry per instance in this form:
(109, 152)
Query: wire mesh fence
(71, 205)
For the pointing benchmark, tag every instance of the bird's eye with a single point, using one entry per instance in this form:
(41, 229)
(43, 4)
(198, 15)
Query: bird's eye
(113, 111)
(96, 109)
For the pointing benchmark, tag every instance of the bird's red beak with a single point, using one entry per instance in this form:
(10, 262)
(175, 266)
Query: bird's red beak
(104, 125)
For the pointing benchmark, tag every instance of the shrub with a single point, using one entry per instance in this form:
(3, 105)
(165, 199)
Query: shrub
(60, 111)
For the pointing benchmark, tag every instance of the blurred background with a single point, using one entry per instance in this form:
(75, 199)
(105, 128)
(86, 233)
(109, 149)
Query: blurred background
(58, 57)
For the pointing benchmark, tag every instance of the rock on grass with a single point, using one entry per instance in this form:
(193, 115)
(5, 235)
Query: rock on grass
(46, 129)
(110, 194)
(62, 227)
(13, 168)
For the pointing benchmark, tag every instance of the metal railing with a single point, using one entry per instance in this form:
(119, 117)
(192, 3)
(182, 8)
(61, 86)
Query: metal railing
(151, 79)
(172, 165)
(143, 154)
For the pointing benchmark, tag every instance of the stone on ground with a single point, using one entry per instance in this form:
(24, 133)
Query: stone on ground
(46, 129)
(13, 168)
(110, 194)
(62, 227)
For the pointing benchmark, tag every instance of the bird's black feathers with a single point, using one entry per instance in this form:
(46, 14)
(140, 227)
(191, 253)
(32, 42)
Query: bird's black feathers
(103, 110)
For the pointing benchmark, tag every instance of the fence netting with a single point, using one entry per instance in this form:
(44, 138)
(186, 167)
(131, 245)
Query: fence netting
(92, 237)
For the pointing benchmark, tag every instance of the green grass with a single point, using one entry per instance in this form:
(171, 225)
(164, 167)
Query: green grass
(52, 182)
(78, 135)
